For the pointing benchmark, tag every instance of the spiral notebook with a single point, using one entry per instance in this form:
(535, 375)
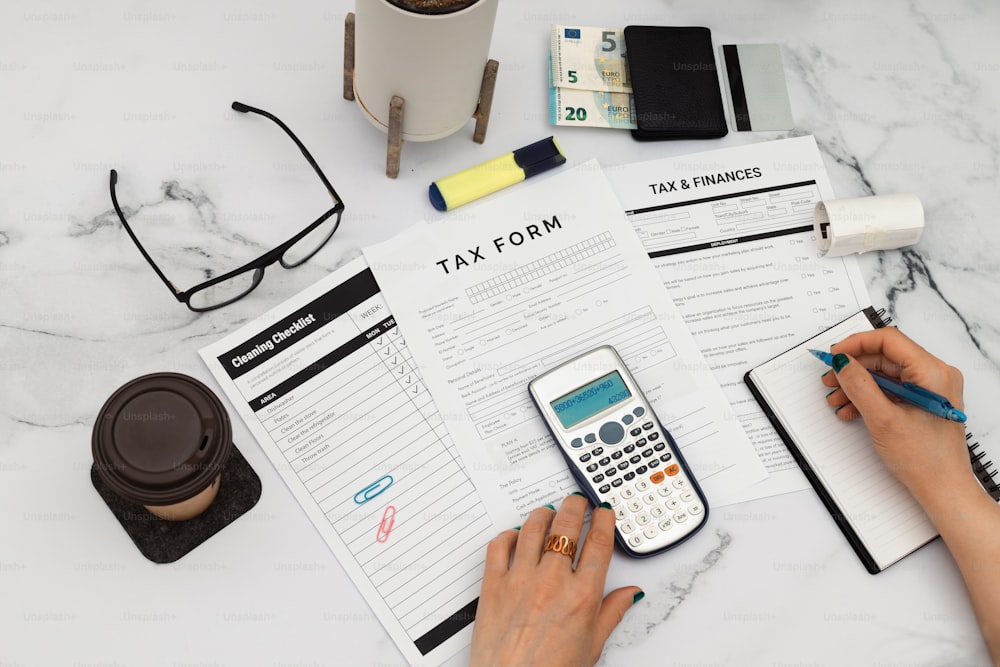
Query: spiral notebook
(878, 516)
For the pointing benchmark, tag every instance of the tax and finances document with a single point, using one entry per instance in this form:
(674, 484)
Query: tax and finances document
(327, 385)
(522, 282)
(731, 234)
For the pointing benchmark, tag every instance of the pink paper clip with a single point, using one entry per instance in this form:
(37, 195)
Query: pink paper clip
(388, 519)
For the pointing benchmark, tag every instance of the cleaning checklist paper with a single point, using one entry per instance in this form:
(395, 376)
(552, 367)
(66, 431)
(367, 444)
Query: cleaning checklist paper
(326, 384)
(523, 282)
(731, 234)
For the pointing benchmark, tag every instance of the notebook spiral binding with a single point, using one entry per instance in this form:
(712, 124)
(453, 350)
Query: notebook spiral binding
(984, 470)
(884, 320)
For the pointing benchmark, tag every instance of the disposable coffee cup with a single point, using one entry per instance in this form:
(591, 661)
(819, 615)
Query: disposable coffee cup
(161, 441)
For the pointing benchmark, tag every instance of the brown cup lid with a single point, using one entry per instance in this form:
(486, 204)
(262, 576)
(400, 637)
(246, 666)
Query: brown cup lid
(161, 439)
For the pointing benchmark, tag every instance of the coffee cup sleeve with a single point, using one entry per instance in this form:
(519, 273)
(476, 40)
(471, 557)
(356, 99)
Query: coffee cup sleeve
(883, 222)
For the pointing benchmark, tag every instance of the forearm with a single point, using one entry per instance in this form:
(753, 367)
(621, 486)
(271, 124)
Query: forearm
(969, 522)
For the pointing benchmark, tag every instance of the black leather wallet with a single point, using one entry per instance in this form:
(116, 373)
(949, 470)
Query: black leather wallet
(675, 83)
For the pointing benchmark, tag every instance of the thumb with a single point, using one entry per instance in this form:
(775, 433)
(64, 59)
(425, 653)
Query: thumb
(612, 611)
(857, 383)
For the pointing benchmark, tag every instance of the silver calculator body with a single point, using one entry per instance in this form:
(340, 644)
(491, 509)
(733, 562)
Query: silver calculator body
(619, 452)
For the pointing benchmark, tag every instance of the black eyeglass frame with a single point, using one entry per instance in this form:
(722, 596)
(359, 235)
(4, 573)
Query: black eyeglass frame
(258, 265)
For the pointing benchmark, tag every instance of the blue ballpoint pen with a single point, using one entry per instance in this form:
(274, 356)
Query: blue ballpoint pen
(907, 391)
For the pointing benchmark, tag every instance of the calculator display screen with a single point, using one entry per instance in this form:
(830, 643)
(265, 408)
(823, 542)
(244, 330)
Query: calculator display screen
(590, 399)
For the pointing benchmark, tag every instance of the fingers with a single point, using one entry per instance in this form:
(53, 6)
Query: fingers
(612, 611)
(858, 387)
(498, 553)
(568, 521)
(531, 537)
(888, 342)
(595, 557)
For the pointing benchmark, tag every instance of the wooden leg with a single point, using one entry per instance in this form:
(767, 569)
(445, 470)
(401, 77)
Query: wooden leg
(395, 141)
(349, 56)
(482, 114)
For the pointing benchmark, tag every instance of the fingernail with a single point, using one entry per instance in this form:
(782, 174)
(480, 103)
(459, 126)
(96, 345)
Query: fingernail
(825, 374)
(839, 361)
(840, 408)
(831, 393)
(606, 505)
(517, 528)
(577, 493)
(549, 506)
(638, 596)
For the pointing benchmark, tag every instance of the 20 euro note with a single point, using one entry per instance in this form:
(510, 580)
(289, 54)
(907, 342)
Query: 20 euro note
(589, 58)
(591, 108)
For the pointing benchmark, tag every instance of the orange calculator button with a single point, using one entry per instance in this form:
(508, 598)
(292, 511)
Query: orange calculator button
(673, 469)
(657, 477)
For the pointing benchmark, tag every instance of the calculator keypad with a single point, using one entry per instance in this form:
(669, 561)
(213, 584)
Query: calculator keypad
(654, 502)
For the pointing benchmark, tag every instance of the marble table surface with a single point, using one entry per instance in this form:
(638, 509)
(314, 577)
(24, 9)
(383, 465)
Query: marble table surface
(901, 97)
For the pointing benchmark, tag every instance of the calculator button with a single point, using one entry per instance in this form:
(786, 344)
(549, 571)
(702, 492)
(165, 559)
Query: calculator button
(647, 453)
(664, 490)
(629, 449)
(666, 456)
(649, 498)
(660, 446)
(592, 467)
(613, 500)
(616, 482)
(665, 524)
(687, 496)
(576, 442)
(611, 472)
(612, 433)
(642, 519)
(657, 477)
(620, 513)
(639, 411)
(597, 451)
(627, 526)
(649, 532)
(590, 438)
(657, 511)
(627, 419)
(641, 485)
(671, 504)
(634, 432)
(627, 493)
(654, 464)
(584, 457)
(635, 505)
(641, 470)
(681, 483)
(654, 436)
(629, 476)
(635, 540)
(623, 465)
(617, 454)
(640, 442)
(681, 516)
(605, 461)
(647, 426)
(672, 470)
(695, 509)
(598, 478)
(604, 489)
(635, 459)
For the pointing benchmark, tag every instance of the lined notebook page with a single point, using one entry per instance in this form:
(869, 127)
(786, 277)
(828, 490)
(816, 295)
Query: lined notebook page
(882, 512)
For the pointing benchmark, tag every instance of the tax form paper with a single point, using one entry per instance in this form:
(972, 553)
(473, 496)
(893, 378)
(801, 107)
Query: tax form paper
(522, 282)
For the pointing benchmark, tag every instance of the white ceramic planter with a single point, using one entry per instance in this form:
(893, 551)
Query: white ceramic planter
(433, 61)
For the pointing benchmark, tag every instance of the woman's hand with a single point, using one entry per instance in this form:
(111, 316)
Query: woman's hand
(535, 607)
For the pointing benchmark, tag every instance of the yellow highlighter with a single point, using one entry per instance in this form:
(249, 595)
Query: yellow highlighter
(495, 174)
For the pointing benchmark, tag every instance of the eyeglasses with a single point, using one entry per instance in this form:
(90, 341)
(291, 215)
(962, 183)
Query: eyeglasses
(236, 284)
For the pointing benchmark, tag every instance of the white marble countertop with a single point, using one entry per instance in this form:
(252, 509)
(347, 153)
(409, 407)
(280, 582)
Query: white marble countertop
(901, 96)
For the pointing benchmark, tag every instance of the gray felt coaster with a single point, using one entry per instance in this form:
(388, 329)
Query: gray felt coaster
(165, 541)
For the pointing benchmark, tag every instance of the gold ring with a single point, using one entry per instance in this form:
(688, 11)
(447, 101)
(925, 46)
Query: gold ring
(561, 544)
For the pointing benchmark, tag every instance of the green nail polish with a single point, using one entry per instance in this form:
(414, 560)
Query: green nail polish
(840, 408)
(831, 393)
(517, 528)
(549, 506)
(839, 361)
(606, 505)
(638, 596)
(825, 374)
(577, 493)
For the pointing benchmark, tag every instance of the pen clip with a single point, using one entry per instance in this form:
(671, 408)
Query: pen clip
(928, 394)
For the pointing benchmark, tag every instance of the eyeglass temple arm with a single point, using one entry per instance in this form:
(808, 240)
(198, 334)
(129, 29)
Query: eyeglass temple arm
(244, 108)
(121, 216)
